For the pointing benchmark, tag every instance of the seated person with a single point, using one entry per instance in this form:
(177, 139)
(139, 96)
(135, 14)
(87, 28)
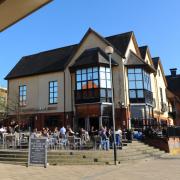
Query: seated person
(70, 132)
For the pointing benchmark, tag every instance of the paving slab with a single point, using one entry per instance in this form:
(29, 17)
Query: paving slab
(166, 168)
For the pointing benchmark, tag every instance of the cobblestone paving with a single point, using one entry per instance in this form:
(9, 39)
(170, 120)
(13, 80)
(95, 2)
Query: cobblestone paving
(161, 169)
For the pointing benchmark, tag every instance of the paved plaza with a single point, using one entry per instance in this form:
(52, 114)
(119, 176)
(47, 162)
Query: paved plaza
(160, 169)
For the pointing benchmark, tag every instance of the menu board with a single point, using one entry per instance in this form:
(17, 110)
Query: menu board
(37, 152)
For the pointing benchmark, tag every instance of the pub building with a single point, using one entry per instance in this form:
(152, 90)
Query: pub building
(71, 85)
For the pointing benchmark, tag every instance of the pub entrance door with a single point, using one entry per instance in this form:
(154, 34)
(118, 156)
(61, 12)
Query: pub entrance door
(94, 121)
(107, 121)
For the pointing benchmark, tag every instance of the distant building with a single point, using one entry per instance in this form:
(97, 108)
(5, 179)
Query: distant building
(71, 85)
(3, 102)
(173, 81)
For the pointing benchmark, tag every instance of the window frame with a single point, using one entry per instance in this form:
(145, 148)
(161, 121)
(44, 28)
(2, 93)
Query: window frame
(22, 95)
(93, 84)
(139, 93)
(53, 97)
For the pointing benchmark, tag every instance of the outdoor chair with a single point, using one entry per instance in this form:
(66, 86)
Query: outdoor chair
(52, 143)
(74, 142)
(61, 143)
(9, 141)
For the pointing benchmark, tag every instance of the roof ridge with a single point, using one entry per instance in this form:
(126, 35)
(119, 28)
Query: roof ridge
(49, 50)
(156, 57)
(121, 34)
(144, 46)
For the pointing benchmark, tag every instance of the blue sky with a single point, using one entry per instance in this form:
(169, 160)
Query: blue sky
(156, 23)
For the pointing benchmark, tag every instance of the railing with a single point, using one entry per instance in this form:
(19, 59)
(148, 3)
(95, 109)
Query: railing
(14, 141)
(87, 95)
(91, 95)
(147, 97)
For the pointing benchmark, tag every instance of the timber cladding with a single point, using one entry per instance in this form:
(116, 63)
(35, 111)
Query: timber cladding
(90, 110)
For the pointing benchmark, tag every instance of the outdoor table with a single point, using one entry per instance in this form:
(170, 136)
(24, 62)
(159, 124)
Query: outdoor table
(10, 137)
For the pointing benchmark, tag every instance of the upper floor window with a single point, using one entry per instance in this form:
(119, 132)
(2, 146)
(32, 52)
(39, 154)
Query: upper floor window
(135, 78)
(147, 81)
(53, 92)
(161, 94)
(139, 83)
(159, 73)
(87, 78)
(22, 95)
(105, 81)
(93, 84)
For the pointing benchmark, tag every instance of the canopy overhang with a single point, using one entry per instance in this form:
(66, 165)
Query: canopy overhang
(11, 11)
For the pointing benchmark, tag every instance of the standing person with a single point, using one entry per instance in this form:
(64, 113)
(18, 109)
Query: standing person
(2, 130)
(63, 132)
(118, 134)
(93, 132)
(104, 138)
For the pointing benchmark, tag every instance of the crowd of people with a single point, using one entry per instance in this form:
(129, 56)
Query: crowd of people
(102, 137)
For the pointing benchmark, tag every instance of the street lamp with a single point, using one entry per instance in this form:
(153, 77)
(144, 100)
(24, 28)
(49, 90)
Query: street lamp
(109, 50)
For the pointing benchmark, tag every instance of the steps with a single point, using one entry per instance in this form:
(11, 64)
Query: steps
(134, 151)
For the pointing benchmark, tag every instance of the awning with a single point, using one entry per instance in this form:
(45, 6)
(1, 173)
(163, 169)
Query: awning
(11, 11)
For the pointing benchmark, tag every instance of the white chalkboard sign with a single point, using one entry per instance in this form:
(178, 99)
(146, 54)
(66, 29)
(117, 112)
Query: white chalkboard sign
(37, 152)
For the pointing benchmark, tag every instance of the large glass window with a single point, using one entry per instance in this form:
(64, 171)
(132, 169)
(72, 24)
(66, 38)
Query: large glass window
(87, 78)
(93, 80)
(22, 95)
(105, 81)
(147, 82)
(135, 78)
(53, 92)
(139, 80)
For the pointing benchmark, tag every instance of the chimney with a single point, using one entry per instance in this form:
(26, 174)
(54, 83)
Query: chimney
(173, 72)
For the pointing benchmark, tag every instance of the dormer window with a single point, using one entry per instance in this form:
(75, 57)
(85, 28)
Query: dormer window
(139, 85)
(93, 85)
(87, 78)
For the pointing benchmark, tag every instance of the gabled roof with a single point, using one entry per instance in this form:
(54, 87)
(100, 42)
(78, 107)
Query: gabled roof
(156, 62)
(100, 37)
(121, 42)
(143, 51)
(134, 60)
(44, 62)
(93, 56)
(58, 59)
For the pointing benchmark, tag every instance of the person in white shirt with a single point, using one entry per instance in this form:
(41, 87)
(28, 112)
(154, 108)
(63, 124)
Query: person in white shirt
(118, 134)
(2, 130)
(63, 131)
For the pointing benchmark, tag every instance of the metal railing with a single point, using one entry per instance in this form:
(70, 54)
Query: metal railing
(21, 141)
